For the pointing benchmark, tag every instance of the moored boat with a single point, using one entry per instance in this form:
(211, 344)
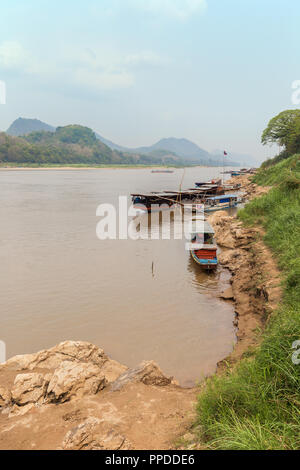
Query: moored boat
(203, 248)
(218, 203)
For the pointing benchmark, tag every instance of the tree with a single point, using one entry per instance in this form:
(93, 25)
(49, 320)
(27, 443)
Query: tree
(293, 143)
(280, 128)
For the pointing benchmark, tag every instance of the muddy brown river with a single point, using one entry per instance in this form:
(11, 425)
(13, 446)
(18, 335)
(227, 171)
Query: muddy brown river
(138, 300)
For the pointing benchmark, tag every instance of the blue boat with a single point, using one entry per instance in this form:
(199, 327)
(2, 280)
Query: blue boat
(218, 203)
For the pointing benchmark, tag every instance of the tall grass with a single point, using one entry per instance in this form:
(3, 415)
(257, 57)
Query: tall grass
(257, 406)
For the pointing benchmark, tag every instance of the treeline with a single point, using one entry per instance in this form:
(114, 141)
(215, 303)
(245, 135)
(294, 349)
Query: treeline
(69, 145)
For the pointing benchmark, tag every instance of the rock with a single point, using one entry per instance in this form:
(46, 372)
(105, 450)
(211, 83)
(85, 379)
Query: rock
(88, 435)
(219, 218)
(112, 370)
(227, 294)
(75, 379)
(51, 358)
(29, 388)
(5, 397)
(148, 373)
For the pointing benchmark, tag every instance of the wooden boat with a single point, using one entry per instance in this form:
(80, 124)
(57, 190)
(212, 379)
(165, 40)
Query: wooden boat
(218, 203)
(212, 182)
(167, 199)
(203, 248)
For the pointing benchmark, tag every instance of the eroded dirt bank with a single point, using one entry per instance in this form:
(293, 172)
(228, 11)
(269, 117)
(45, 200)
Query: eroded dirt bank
(74, 396)
(255, 283)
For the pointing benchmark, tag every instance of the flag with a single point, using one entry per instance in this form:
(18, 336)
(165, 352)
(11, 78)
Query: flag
(225, 153)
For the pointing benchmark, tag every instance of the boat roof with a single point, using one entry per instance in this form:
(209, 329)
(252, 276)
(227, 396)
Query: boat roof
(224, 196)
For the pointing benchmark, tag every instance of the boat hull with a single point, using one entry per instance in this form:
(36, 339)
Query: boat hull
(208, 264)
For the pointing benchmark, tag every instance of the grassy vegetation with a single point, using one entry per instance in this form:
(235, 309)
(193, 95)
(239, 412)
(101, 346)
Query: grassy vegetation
(257, 405)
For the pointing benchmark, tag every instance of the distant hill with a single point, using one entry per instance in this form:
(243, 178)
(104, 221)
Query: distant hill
(166, 151)
(182, 147)
(72, 144)
(22, 126)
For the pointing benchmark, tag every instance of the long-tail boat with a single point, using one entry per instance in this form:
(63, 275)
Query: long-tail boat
(203, 248)
(218, 203)
(167, 199)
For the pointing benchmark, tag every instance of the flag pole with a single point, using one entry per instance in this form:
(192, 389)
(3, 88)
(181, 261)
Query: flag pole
(223, 169)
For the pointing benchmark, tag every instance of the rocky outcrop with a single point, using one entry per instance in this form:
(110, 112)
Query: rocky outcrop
(148, 373)
(74, 380)
(78, 351)
(67, 371)
(73, 396)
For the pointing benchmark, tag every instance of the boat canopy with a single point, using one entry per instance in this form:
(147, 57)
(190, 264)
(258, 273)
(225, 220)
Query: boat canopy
(219, 198)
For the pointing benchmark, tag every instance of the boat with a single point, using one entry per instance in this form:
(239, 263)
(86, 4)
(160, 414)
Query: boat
(150, 202)
(203, 248)
(218, 203)
(208, 183)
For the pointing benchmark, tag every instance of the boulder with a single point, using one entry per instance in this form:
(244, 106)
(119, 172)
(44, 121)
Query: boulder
(29, 388)
(75, 379)
(148, 373)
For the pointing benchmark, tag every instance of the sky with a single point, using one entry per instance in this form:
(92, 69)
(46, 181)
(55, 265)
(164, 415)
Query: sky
(136, 71)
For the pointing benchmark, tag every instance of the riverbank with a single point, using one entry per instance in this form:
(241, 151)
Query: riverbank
(143, 409)
(255, 405)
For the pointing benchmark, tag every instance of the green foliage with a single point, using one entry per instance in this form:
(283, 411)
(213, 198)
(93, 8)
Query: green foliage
(257, 406)
(279, 128)
(68, 146)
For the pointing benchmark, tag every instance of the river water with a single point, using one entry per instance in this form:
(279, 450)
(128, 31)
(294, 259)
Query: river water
(138, 300)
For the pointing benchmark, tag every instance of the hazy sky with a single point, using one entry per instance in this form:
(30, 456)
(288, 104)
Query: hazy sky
(212, 71)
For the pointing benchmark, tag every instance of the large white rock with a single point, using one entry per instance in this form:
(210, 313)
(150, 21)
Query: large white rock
(75, 379)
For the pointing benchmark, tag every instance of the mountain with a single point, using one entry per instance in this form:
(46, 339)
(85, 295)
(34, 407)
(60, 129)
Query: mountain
(182, 147)
(22, 126)
(166, 151)
(72, 144)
